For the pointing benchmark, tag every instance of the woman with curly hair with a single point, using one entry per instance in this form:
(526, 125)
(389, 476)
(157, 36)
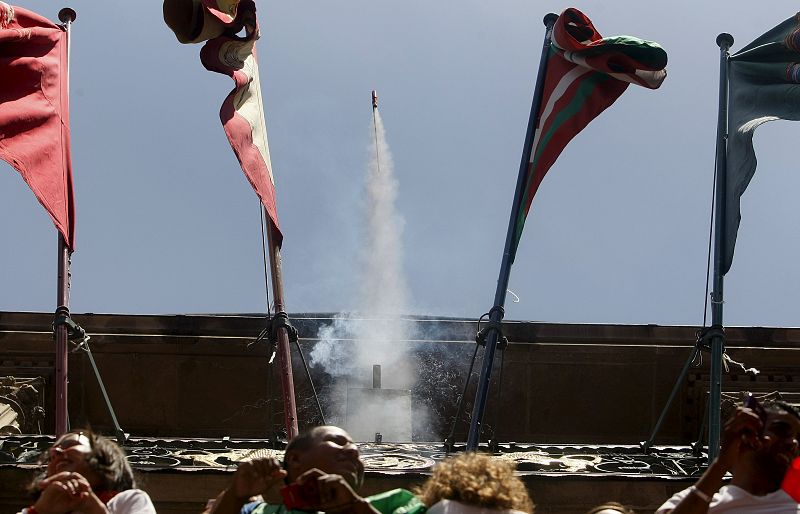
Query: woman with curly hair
(473, 483)
(86, 474)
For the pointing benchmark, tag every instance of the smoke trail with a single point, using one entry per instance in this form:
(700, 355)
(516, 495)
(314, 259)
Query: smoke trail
(384, 291)
(375, 332)
(383, 284)
(375, 325)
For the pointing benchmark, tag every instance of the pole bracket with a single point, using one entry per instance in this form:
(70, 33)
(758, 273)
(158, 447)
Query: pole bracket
(707, 334)
(270, 332)
(74, 331)
(278, 321)
(480, 337)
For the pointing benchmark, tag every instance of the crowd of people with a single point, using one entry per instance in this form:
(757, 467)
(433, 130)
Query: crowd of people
(322, 471)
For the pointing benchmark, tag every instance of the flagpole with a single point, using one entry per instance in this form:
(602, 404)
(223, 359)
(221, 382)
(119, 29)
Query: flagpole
(496, 313)
(724, 41)
(62, 302)
(67, 16)
(284, 355)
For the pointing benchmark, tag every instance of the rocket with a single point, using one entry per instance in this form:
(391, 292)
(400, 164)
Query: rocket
(375, 125)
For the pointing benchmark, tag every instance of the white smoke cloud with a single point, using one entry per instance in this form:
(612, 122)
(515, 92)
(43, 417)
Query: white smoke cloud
(375, 333)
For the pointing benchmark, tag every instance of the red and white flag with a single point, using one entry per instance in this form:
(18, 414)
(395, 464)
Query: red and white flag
(242, 112)
(34, 111)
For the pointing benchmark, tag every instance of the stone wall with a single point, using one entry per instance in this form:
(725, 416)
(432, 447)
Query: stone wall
(199, 376)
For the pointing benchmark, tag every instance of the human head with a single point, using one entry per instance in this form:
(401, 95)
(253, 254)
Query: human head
(327, 448)
(478, 480)
(781, 433)
(98, 459)
(611, 508)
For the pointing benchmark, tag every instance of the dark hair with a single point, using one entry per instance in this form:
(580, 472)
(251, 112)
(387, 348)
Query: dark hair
(305, 440)
(782, 407)
(301, 442)
(107, 460)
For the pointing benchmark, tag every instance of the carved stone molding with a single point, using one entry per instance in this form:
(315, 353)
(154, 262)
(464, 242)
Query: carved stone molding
(21, 405)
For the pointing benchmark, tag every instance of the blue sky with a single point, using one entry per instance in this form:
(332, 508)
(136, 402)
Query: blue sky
(617, 233)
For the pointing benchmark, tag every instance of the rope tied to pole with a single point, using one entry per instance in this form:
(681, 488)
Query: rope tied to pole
(704, 337)
(274, 324)
(727, 359)
(270, 332)
(706, 334)
(703, 343)
(80, 339)
(278, 321)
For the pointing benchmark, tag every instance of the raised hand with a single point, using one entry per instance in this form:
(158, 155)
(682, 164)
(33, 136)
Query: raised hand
(335, 494)
(256, 477)
(62, 493)
(741, 433)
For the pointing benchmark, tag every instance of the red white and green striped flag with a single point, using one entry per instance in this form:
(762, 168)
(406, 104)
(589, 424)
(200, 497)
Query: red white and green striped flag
(585, 74)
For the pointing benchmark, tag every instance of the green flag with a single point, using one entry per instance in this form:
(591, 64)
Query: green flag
(764, 85)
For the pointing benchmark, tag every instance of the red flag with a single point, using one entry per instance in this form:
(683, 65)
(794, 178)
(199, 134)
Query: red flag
(34, 111)
(791, 481)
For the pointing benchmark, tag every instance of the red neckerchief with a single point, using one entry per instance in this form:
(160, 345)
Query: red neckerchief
(105, 496)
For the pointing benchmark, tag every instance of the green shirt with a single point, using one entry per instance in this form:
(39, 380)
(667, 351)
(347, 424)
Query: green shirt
(396, 501)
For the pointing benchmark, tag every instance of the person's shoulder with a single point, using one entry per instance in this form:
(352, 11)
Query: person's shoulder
(396, 501)
(673, 502)
(731, 498)
(131, 501)
(782, 498)
(250, 508)
(737, 495)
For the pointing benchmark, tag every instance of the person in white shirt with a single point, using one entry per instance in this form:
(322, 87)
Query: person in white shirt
(757, 453)
(86, 474)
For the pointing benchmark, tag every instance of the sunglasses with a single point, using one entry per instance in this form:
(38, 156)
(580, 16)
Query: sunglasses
(77, 443)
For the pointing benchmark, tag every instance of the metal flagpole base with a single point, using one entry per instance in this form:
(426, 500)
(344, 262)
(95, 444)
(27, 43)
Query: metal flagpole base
(702, 344)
